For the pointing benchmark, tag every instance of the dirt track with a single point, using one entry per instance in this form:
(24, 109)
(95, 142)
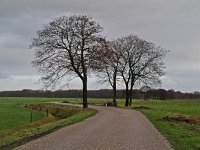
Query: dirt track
(110, 129)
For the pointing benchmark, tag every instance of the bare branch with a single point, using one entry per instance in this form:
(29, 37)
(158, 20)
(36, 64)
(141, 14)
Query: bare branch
(66, 47)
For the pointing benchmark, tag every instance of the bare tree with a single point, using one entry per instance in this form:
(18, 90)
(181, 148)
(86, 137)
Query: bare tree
(65, 48)
(141, 62)
(108, 69)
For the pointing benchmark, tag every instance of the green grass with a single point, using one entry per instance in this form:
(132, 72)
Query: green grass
(182, 136)
(13, 115)
(15, 126)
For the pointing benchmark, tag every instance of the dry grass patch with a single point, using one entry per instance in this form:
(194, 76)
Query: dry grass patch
(141, 107)
(180, 119)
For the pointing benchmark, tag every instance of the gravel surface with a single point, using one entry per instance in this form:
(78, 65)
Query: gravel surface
(110, 129)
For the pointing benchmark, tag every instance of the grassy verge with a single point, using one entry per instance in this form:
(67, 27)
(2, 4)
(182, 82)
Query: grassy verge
(55, 121)
(182, 134)
(13, 115)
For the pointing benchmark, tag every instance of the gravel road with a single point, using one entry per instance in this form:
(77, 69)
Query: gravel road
(110, 129)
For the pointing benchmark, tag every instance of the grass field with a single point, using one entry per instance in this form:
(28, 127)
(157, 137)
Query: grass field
(13, 114)
(15, 125)
(182, 135)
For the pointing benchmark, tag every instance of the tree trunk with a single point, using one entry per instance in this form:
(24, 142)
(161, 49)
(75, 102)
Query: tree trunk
(127, 96)
(130, 96)
(85, 104)
(114, 93)
(131, 92)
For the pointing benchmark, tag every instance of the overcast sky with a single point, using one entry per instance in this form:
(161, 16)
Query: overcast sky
(172, 24)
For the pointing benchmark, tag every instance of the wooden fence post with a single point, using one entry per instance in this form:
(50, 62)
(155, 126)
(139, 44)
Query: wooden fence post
(31, 117)
(47, 113)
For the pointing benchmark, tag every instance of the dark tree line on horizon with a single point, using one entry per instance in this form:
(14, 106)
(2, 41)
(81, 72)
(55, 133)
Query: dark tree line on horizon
(155, 94)
(73, 46)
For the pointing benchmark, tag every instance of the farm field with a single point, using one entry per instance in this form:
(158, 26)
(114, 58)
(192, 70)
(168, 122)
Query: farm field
(13, 114)
(15, 124)
(183, 130)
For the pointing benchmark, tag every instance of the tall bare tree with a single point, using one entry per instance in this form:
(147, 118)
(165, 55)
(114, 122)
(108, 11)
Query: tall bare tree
(108, 69)
(141, 62)
(66, 47)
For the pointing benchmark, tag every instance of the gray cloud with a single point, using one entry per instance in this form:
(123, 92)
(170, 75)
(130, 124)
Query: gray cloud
(172, 24)
(4, 76)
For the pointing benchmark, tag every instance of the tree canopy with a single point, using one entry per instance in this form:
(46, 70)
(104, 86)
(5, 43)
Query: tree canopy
(72, 46)
(65, 48)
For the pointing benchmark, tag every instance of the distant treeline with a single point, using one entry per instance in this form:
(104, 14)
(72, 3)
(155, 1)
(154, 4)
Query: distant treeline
(160, 94)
